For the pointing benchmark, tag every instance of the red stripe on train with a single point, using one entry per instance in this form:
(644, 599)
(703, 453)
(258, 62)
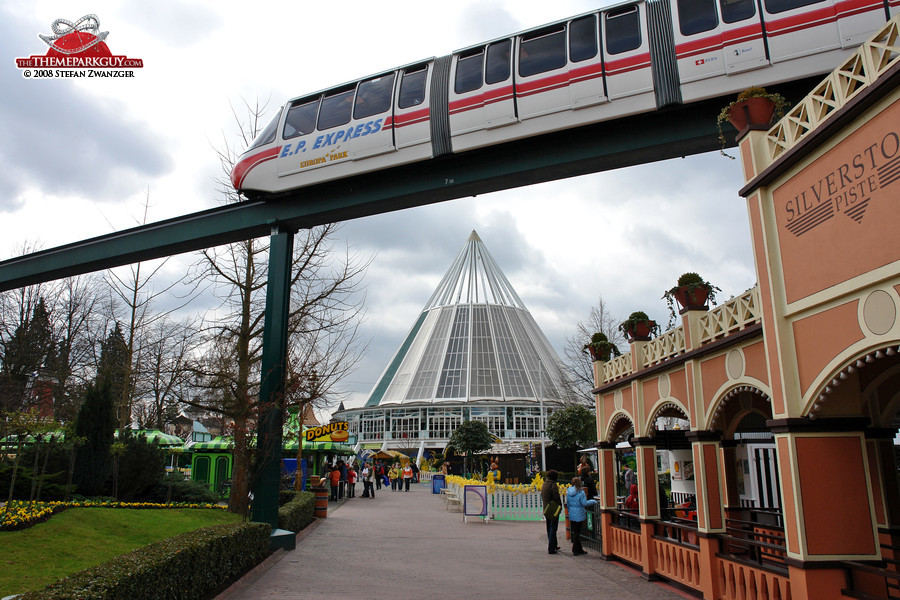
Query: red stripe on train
(245, 165)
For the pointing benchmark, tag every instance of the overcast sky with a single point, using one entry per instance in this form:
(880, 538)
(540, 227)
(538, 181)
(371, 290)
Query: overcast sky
(80, 155)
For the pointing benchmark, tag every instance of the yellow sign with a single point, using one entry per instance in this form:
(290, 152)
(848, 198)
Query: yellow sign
(333, 432)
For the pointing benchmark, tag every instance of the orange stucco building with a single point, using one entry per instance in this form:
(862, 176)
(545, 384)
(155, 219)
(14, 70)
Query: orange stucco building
(792, 389)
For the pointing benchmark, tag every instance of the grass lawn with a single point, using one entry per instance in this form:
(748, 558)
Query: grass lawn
(79, 538)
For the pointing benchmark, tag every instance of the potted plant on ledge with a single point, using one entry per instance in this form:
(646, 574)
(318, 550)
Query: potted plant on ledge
(639, 327)
(600, 348)
(692, 293)
(753, 109)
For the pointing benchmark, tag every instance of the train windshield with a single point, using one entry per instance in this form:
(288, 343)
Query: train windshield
(267, 136)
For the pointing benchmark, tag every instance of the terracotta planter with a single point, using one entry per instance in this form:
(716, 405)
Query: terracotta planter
(692, 298)
(599, 353)
(640, 331)
(752, 113)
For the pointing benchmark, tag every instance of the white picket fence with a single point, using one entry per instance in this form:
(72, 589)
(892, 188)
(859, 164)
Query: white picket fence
(516, 506)
(504, 505)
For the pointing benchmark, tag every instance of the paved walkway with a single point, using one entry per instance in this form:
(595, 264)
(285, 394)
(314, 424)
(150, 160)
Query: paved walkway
(406, 545)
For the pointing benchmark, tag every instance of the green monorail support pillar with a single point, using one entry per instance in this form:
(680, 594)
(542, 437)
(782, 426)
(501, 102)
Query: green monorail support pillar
(271, 389)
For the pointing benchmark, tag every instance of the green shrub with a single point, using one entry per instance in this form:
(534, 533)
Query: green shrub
(296, 515)
(285, 496)
(187, 566)
(141, 466)
(183, 490)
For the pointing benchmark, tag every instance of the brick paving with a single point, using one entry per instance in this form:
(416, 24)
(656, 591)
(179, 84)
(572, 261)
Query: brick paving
(407, 545)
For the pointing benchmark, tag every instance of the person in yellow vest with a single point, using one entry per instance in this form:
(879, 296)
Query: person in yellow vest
(394, 475)
(407, 475)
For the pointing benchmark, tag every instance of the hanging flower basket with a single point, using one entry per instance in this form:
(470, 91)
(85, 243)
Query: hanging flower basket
(756, 112)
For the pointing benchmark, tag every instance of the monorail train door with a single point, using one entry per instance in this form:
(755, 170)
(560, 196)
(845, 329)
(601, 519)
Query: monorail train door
(716, 38)
(481, 93)
(412, 109)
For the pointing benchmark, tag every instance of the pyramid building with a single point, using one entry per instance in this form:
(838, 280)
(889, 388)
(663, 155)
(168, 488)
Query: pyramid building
(474, 353)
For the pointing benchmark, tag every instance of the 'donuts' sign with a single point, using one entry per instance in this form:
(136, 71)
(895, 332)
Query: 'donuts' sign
(333, 432)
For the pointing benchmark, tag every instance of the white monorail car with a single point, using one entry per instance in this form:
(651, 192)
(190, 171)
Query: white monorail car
(613, 62)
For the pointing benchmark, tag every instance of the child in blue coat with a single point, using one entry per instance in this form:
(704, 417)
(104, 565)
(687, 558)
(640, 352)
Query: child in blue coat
(577, 501)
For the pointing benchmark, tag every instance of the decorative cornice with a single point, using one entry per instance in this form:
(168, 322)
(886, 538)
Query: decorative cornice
(828, 425)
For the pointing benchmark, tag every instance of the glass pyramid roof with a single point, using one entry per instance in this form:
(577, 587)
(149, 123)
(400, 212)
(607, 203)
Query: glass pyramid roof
(474, 340)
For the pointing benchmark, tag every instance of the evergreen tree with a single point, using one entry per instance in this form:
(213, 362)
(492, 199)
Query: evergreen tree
(114, 368)
(24, 355)
(469, 437)
(96, 423)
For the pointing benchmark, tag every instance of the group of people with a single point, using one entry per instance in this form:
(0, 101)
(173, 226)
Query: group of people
(576, 503)
(343, 478)
(579, 497)
(400, 476)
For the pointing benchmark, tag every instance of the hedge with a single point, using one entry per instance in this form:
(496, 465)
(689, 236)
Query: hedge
(188, 566)
(297, 514)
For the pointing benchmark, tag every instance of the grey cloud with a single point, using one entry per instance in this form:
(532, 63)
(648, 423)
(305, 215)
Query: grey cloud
(179, 24)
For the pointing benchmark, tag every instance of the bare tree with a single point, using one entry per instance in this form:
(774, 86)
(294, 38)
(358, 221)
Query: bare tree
(577, 362)
(76, 319)
(135, 293)
(166, 371)
(325, 311)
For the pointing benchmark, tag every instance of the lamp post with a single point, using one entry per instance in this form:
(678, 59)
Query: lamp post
(543, 423)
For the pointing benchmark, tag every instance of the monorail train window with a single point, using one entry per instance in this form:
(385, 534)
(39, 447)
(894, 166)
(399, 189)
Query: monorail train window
(412, 86)
(697, 16)
(469, 70)
(777, 6)
(542, 51)
(737, 10)
(335, 109)
(583, 38)
(497, 68)
(301, 118)
(267, 136)
(623, 30)
(374, 96)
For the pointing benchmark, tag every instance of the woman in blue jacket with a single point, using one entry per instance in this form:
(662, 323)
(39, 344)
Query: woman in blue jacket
(577, 501)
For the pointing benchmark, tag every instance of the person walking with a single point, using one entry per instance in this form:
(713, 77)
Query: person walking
(415, 469)
(343, 481)
(335, 479)
(552, 509)
(407, 475)
(351, 482)
(577, 501)
(394, 476)
(368, 473)
(379, 474)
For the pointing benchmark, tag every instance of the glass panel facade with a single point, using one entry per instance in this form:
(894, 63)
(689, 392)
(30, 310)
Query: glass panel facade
(405, 424)
(443, 421)
(527, 422)
(426, 375)
(371, 426)
(485, 377)
(515, 380)
(493, 417)
(453, 377)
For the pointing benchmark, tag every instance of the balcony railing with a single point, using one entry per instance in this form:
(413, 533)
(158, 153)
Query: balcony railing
(735, 315)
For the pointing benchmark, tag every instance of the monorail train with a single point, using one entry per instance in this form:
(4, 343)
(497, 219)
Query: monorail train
(622, 60)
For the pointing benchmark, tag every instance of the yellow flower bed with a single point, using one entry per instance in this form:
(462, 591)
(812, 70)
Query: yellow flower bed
(19, 515)
(515, 489)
